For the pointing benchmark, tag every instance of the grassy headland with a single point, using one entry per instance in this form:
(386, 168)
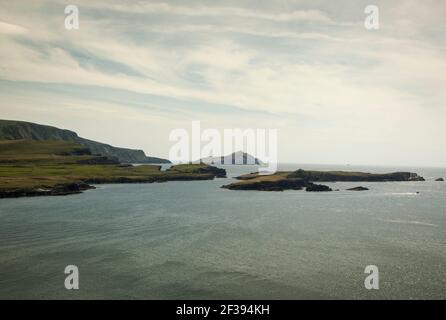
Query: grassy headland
(32, 168)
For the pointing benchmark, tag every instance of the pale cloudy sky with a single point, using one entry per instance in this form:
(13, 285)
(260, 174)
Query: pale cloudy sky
(135, 70)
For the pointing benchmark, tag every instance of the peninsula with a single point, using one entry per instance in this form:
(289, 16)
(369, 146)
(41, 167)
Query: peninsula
(58, 167)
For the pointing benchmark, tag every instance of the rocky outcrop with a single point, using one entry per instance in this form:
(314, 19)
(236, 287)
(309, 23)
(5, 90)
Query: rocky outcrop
(360, 188)
(317, 188)
(439, 179)
(214, 171)
(13, 130)
(57, 190)
(268, 185)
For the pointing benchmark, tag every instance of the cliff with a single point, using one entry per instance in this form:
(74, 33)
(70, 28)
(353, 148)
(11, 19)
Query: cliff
(14, 130)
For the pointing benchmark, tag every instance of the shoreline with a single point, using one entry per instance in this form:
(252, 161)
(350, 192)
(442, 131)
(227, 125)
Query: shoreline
(300, 179)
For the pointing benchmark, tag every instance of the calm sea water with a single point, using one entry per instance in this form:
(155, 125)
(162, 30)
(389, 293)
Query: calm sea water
(194, 240)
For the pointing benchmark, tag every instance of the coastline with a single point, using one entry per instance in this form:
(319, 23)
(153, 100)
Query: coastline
(300, 179)
(53, 168)
(175, 173)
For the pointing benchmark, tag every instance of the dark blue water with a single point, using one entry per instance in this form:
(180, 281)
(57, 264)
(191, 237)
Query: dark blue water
(194, 240)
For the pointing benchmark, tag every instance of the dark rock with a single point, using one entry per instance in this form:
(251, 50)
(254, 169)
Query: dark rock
(57, 190)
(265, 185)
(439, 179)
(360, 188)
(317, 188)
(216, 172)
(69, 188)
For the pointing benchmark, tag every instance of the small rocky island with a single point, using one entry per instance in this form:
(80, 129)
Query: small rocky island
(439, 179)
(360, 188)
(300, 179)
(239, 158)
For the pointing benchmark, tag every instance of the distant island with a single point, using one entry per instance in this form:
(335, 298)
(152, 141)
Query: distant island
(59, 167)
(239, 157)
(299, 179)
(14, 130)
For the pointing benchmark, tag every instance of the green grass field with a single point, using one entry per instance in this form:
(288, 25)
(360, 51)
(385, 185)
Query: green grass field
(28, 164)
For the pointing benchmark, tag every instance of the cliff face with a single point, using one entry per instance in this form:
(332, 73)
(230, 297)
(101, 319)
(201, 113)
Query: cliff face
(12, 130)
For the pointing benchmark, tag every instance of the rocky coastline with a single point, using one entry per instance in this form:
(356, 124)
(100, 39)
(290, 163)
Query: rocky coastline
(192, 173)
(30, 168)
(57, 190)
(300, 179)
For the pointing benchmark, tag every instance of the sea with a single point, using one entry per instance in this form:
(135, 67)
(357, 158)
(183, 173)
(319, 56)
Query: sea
(195, 240)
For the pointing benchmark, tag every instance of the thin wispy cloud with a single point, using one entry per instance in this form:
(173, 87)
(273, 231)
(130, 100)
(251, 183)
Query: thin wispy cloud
(309, 68)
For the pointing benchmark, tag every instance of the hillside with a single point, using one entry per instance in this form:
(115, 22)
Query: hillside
(14, 130)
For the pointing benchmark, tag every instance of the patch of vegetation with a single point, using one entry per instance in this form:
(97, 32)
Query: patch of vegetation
(53, 151)
(29, 166)
(283, 180)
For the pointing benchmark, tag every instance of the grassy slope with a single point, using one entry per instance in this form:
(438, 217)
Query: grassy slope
(27, 151)
(32, 164)
(13, 130)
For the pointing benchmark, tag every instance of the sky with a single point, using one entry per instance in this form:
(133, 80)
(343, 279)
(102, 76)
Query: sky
(336, 92)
